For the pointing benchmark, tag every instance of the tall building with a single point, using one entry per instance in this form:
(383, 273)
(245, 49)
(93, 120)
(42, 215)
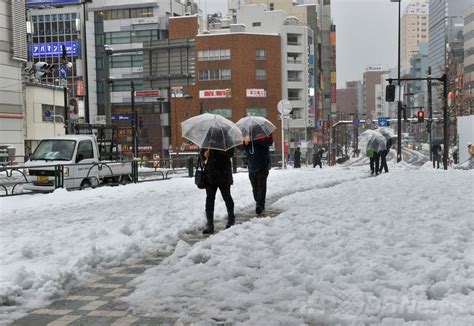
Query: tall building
(316, 14)
(56, 23)
(446, 30)
(348, 99)
(414, 28)
(12, 55)
(128, 28)
(372, 77)
(297, 65)
(469, 60)
(418, 69)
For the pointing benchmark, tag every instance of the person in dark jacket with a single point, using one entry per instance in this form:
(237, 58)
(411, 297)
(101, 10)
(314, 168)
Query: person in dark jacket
(436, 152)
(297, 157)
(317, 158)
(259, 164)
(217, 165)
(383, 156)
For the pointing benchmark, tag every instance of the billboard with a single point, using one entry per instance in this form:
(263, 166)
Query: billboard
(55, 49)
(37, 3)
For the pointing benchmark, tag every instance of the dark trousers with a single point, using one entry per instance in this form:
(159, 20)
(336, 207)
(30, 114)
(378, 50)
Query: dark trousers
(259, 186)
(383, 161)
(318, 163)
(374, 160)
(436, 159)
(211, 191)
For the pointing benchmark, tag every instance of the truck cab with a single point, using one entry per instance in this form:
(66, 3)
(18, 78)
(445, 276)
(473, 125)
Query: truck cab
(79, 154)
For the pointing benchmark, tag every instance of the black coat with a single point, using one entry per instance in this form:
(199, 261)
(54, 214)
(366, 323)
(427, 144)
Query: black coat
(258, 154)
(218, 167)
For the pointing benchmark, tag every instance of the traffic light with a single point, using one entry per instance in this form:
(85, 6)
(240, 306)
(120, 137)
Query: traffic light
(421, 116)
(390, 93)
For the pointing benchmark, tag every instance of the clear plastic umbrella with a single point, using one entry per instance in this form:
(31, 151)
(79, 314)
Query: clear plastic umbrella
(255, 127)
(212, 131)
(375, 140)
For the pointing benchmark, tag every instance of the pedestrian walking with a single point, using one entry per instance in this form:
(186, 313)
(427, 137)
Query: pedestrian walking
(317, 156)
(383, 156)
(297, 158)
(218, 171)
(258, 161)
(436, 152)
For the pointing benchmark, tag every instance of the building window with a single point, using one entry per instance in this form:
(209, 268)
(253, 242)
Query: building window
(214, 54)
(214, 74)
(294, 94)
(126, 61)
(49, 113)
(124, 13)
(261, 112)
(261, 74)
(272, 6)
(256, 24)
(225, 112)
(260, 54)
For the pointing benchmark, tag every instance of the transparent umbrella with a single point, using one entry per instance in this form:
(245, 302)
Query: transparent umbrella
(375, 140)
(254, 127)
(212, 131)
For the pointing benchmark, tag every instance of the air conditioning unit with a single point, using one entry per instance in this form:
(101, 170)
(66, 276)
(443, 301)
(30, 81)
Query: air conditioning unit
(100, 120)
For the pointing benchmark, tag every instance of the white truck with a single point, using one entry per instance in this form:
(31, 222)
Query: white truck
(79, 154)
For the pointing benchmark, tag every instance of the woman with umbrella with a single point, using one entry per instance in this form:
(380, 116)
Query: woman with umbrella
(217, 138)
(257, 134)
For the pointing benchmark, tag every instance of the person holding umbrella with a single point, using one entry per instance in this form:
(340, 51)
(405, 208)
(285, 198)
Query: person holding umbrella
(257, 133)
(217, 137)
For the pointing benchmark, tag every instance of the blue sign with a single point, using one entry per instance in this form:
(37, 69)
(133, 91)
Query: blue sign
(55, 49)
(122, 117)
(63, 72)
(356, 122)
(36, 3)
(383, 122)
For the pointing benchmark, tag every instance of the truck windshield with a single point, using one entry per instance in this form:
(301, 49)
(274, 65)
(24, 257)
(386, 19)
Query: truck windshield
(54, 149)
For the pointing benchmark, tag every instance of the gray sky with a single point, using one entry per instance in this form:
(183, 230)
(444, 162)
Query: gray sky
(367, 34)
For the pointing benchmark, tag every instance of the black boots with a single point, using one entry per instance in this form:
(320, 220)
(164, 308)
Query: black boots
(230, 219)
(210, 223)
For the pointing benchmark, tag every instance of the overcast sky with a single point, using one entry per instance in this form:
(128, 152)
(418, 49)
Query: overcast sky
(367, 34)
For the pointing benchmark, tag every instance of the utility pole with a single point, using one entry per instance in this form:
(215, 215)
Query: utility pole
(66, 111)
(399, 105)
(445, 122)
(430, 110)
(134, 122)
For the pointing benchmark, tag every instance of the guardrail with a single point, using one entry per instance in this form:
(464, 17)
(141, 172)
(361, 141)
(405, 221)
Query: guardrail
(12, 178)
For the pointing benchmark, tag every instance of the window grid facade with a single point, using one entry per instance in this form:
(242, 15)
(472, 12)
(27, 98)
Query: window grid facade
(214, 54)
(214, 74)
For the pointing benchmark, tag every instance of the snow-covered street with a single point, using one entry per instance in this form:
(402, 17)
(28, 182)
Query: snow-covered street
(392, 249)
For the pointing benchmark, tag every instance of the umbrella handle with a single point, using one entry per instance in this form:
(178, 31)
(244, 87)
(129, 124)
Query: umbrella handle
(252, 151)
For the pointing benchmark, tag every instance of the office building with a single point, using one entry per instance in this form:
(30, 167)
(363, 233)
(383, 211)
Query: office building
(469, 61)
(12, 56)
(414, 29)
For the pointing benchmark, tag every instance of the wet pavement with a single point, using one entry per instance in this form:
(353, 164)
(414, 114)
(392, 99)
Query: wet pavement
(99, 303)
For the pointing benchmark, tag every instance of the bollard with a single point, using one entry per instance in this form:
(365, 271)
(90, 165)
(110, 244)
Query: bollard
(190, 167)
(234, 165)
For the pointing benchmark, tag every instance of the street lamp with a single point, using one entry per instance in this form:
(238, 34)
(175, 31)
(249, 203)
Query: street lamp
(84, 57)
(399, 103)
(284, 107)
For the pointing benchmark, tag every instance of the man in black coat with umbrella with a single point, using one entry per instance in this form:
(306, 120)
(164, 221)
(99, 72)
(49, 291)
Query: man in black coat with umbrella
(259, 164)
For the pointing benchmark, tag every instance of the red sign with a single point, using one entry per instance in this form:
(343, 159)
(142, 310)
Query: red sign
(325, 125)
(215, 93)
(147, 93)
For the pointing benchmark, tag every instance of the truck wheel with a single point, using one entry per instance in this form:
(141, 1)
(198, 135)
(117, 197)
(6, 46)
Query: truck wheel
(124, 179)
(85, 184)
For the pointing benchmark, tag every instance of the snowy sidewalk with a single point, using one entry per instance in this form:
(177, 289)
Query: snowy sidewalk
(100, 302)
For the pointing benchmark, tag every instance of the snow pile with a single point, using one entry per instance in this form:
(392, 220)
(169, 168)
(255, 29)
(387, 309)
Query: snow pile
(393, 249)
(53, 242)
